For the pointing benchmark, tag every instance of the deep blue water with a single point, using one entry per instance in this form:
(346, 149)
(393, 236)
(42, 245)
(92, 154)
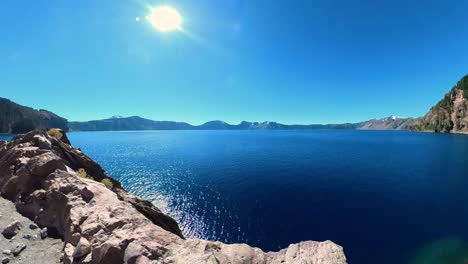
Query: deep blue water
(382, 195)
(5, 136)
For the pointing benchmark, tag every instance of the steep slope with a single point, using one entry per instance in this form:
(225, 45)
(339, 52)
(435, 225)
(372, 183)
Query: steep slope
(15, 118)
(387, 123)
(64, 190)
(449, 115)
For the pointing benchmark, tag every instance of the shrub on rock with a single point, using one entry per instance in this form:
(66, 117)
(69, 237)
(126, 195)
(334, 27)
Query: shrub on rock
(107, 183)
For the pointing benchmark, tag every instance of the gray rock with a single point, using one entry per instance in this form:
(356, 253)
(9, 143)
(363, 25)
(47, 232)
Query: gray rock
(27, 236)
(18, 249)
(12, 229)
(37, 251)
(133, 253)
(43, 232)
(75, 238)
(5, 260)
(42, 142)
(68, 254)
(82, 249)
(33, 226)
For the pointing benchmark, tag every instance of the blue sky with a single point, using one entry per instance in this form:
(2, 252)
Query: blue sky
(302, 61)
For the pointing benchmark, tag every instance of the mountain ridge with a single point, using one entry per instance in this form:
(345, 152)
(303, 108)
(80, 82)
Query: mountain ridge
(140, 123)
(449, 115)
(16, 118)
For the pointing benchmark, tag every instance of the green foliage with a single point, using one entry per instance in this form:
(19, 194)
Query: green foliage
(446, 102)
(83, 174)
(55, 132)
(439, 117)
(463, 85)
(15, 118)
(24, 125)
(108, 183)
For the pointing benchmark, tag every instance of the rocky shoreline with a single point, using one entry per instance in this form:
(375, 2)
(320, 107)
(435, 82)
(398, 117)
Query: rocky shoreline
(97, 221)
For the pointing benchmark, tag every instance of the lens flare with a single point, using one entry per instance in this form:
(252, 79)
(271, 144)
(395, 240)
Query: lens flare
(165, 18)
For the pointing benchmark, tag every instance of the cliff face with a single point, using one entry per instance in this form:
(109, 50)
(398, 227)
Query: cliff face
(62, 189)
(449, 115)
(15, 118)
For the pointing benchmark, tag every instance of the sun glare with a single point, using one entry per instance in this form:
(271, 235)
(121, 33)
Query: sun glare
(165, 18)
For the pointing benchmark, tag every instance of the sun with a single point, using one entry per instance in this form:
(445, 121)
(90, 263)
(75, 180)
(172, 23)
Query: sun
(165, 18)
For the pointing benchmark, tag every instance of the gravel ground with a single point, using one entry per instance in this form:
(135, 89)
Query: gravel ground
(43, 251)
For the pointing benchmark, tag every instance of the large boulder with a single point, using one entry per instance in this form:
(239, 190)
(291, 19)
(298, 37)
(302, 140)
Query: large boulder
(60, 188)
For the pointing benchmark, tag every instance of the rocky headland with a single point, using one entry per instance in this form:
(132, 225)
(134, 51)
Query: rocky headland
(95, 220)
(449, 115)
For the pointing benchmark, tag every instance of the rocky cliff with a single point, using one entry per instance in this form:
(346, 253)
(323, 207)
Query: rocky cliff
(449, 115)
(15, 118)
(63, 190)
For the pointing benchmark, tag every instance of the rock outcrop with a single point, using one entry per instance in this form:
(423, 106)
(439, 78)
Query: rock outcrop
(387, 123)
(63, 190)
(449, 115)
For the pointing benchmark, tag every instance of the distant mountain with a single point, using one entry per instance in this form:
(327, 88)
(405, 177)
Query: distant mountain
(214, 125)
(388, 123)
(118, 123)
(139, 123)
(15, 118)
(449, 115)
(244, 125)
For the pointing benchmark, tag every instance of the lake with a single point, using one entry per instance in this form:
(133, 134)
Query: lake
(385, 196)
(5, 136)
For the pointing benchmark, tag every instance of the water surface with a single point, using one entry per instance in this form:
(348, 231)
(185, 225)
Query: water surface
(5, 136)
(383, 195)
